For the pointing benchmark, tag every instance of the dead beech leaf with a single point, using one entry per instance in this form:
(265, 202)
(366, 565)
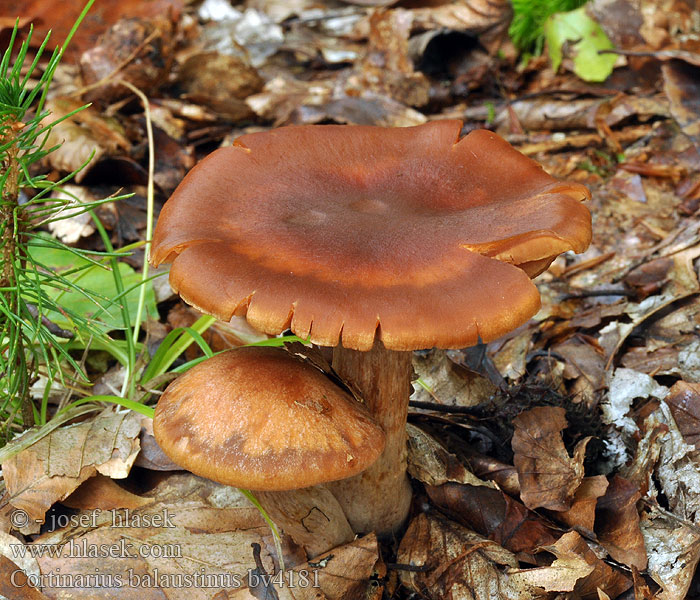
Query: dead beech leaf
(583, 507)
(548, 476)
(617, 523)
(673, 549)
(432, 464)
(684, 401)
(561, 576)
(52, 468)
(602, 576)
(493, 514)
(462, 564)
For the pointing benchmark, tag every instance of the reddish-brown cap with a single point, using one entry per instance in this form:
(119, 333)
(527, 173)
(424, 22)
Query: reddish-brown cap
(344, 233)
(261, 419)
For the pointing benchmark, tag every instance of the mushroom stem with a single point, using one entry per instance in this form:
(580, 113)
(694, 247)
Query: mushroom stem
(379, 498)
(311, 516)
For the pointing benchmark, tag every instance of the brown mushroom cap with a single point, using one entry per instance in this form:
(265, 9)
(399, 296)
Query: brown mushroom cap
(342, 233)
(259, 418)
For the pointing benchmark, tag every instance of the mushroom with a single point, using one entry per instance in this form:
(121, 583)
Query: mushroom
(260, 418)
(376, 242)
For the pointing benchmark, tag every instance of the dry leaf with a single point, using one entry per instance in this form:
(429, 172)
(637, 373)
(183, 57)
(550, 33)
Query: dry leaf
(431, 463)
(548, 476)
(561, 576)
(673, 549)
(386, 68)
(461, 564)
(449, 383)
(684, 401)
(582, 512)
(617, 523)
(602, 576)
(53, 467)
(493, 514)
(84, 135)
(191, 527)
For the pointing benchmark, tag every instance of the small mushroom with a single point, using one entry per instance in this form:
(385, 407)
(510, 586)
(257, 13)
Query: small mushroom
(260, 418)
(374, 241)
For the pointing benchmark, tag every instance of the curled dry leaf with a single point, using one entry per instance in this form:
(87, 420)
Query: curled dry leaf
(431, 463)
(617, 523)
(493, 514)
(53, 467)
(105, 494)
(548, 476)
(462, 565)
(561, 576)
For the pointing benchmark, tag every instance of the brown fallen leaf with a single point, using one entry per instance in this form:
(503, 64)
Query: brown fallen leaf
(53, 467)
(461, 565)
(548, 476)
(561, 576)
(617, 523)
(602, 576)
(491, 513)
(684, 401)
(448, 382)
(583, 508)
(431, 463)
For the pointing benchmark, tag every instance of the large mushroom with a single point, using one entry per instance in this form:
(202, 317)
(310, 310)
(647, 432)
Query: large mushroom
(376, 242)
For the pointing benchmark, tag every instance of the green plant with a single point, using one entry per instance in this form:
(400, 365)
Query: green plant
(529, 16)
(28, 339)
